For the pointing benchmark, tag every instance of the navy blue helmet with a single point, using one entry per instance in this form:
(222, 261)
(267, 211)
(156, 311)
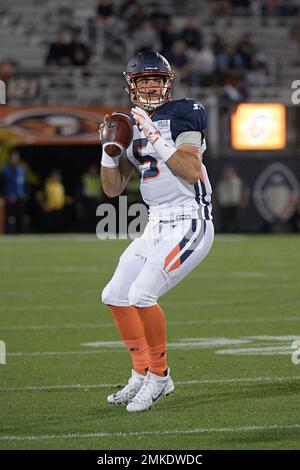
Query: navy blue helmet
(143, 66)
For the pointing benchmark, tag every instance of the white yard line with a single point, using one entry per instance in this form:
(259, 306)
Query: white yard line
(170, 322)
(51, 269)
(76, 307)
(53, 238)
(262, 347)
(57, 327)
(258, 351)
(43, 388)
(94, 435)
(234, 320)
(118, 347)
(65, 353)
(181, 343)
(22, 308)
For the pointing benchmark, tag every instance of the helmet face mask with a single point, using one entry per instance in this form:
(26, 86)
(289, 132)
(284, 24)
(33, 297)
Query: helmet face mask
(149, 65)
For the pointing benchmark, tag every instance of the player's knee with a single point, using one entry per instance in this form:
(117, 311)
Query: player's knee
(139, 297)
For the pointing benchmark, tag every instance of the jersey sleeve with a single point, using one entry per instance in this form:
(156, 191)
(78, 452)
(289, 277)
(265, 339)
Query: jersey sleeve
(190, 138)
(188, 116)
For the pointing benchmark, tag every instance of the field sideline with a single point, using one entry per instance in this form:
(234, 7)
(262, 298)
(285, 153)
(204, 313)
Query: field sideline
(231, 326)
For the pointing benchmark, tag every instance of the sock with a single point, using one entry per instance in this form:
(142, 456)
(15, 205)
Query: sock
(153, 319)
(130, 327)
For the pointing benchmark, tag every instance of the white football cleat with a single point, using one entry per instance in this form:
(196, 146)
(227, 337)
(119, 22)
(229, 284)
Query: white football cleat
(152, 390)
(127, 393)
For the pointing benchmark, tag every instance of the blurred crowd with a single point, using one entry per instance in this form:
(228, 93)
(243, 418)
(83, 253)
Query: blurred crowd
(229, 68)
(47, 205)
(256, 7)
(68, 52)
(44, 205)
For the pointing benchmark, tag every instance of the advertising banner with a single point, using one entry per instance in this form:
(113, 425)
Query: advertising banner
(53, 125)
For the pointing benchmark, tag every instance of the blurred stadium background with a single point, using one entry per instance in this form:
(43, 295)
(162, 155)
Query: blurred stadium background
(62, 63)
(233, 321)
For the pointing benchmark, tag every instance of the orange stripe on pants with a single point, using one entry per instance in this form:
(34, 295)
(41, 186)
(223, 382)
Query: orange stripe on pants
(171, 256)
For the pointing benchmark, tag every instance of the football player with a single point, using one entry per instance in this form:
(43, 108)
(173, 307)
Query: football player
(167, 149)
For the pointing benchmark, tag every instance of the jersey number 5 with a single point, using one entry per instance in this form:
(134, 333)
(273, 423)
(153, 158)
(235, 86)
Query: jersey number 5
(153, 170)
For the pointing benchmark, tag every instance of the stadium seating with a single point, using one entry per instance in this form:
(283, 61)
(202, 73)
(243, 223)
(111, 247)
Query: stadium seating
(27, 28)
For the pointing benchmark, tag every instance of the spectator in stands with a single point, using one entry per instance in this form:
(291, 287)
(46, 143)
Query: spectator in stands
(179, 59)
(80, 52)
(105, 10)
(231, 196)
(7, 70)
(246, 48)
(258, 75)
(220, 7)
(296, 7)
(240, 3)
(191, 34)
(202, 67)
(147, 37)
(89, 198)
(234, 90)
(269, 7)
(218, 44)
(159, 16)
(167, 36)
(256, 7)
(13, 190)
(52, 201)
(109, 31)
(295, 41)
(287, 7)
(59, 51)
(136, 18)
(228, 58)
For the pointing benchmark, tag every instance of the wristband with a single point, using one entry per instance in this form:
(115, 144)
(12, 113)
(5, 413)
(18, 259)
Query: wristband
(164, 150)
(107, 161)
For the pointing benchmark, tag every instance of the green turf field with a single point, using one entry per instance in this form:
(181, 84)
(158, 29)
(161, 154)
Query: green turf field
(231, 325)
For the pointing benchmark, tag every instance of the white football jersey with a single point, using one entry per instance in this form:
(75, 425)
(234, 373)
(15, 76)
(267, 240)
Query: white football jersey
(159, 186)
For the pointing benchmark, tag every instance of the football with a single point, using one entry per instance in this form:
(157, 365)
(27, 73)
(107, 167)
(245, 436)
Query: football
(117, 134)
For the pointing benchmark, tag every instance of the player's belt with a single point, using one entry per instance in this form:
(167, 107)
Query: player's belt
(178, 217)
(182, 217)
(173, 213)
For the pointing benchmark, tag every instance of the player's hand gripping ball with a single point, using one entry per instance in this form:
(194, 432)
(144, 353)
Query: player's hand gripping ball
(116, 134)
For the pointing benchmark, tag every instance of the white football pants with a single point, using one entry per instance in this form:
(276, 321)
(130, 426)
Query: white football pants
(158, 260)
